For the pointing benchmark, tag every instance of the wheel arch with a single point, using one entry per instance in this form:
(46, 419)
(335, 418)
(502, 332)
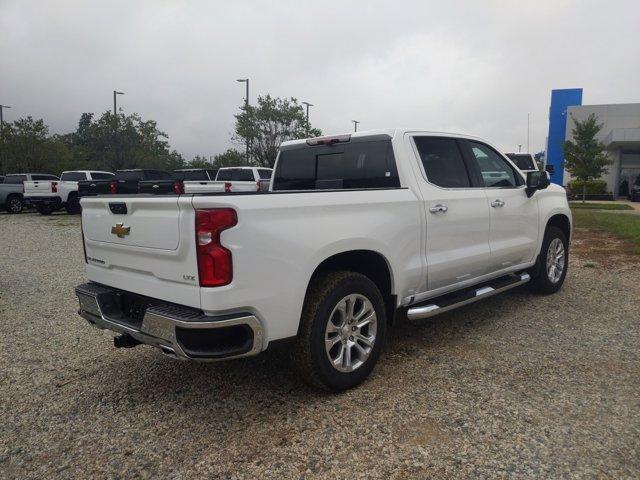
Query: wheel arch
(561, 221)
(370, 263)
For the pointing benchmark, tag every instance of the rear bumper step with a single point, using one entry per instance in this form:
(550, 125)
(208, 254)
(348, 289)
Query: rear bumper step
(448, 302)
(180, 332)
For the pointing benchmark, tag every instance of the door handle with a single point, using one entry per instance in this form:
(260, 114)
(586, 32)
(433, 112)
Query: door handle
(497, 203)
(439, 208)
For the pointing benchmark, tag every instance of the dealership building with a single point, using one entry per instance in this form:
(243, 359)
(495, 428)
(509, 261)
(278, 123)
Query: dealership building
(620, 135)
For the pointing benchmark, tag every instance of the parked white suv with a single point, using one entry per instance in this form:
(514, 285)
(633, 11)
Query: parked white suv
(354, 229)
(49, 196)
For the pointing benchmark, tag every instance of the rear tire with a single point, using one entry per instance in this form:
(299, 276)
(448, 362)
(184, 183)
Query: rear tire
(45, 209)
(73, 205)
(550, 270)
(14, 204)
(342, 330)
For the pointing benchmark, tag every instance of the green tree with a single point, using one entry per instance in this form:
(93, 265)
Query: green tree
(584, 155)
(114, 142)
(26, 146)
(268, 124)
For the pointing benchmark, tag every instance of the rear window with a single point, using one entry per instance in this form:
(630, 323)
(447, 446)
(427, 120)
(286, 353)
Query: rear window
(235, 175)
(44, 177)
(101, 175)
(129, 175)
(344, 166)
(73, 176)
(191, 175)
(265, 173)
(523, 161)
(15, 179)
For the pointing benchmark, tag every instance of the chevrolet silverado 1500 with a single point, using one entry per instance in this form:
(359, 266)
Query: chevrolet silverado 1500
(47, 196)
(354, 230)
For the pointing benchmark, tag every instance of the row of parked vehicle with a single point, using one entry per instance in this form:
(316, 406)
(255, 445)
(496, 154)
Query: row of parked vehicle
(48, 193)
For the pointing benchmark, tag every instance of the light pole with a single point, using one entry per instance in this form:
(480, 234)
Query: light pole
(355, 125)
(528, 150)
(2, 119)
(246, 104)
(307, 104)
(115, 108)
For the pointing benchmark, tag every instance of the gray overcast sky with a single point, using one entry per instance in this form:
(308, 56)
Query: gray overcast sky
(470, 67)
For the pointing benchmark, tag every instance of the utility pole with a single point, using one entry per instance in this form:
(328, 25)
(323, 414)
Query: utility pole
(355, 125)
(2, 119)
(307, 104)
(246, 104)
(115, 108)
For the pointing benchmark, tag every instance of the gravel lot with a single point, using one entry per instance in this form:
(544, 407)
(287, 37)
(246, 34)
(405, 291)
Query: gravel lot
(515, 386)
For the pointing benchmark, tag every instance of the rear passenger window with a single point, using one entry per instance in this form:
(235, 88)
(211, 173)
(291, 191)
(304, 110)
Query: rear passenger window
(355, 165)
(443, 162)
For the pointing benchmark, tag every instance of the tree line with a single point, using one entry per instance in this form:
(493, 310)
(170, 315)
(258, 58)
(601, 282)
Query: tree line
(112, 142)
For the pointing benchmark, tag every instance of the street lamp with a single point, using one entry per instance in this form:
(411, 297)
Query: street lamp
(1, 118)
(115, 109)
(246, 104)
(307, 104)
(355, 125)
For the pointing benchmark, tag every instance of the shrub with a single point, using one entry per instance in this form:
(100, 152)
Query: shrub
(594, 187)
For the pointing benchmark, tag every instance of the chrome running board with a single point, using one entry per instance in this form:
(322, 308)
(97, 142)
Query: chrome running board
(449, 302)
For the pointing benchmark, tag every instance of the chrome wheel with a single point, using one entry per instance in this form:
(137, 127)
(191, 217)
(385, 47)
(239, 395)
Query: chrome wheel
(555, 260)
(351, 332)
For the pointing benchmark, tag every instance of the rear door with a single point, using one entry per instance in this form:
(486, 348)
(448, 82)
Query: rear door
(513, 215)
(457, 214)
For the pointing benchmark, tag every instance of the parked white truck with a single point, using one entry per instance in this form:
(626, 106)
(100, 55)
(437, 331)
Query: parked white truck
(47, 196)
(355, 228)
(233, 180)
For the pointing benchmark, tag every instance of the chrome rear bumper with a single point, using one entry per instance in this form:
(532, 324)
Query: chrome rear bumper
(180, 332)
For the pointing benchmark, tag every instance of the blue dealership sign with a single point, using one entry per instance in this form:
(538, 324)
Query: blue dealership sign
(560, 100)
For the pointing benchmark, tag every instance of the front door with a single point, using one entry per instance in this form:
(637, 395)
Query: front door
(457, 214)
(513, 234)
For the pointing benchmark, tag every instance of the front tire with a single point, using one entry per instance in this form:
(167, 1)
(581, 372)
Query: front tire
(550, 270)
(342, 330)
(14, 204)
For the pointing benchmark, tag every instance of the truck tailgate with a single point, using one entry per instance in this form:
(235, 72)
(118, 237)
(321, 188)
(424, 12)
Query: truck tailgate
(193, 186)
(37, 187)
(143, 244)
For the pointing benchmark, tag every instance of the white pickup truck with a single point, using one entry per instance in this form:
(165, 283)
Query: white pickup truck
(233, 179)
(355, 228)
(49, 196)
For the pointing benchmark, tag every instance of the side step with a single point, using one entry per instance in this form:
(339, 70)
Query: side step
(450, 301)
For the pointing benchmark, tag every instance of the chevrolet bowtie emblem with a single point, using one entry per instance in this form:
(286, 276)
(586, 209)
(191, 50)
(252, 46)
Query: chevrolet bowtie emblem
(120, 230)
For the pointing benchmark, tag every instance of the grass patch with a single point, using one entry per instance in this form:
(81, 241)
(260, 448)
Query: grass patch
(600, 206)
(626, 227)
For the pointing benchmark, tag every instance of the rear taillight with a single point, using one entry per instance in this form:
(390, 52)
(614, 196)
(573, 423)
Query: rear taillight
(178, 187)
(54, 187)
(215, 265)
(113, 187)
(227, 187)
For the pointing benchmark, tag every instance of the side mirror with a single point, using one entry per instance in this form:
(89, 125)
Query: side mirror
(536, 181)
